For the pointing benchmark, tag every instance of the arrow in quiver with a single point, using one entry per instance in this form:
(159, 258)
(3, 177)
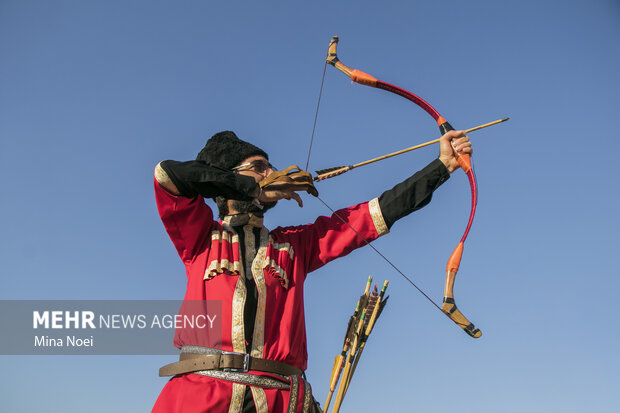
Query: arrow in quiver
(360, 325)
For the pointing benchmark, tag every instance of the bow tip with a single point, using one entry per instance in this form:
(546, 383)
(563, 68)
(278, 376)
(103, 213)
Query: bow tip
(450, 309)
(475, 333)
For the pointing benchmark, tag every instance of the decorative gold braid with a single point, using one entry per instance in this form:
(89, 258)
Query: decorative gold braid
(219, 266)
(292, 402)
(236, 400)
(246, 378)
(307, 397)
(258, 340)
(238, 328)
(377, 217)
(160, 175)
(260, 399)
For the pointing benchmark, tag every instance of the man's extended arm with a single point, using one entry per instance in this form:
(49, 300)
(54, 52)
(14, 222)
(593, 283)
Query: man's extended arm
(350, 228)
(413, 193)
(330, 239)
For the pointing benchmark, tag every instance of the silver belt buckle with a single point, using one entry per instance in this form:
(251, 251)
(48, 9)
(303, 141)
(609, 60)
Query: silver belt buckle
(246, 362)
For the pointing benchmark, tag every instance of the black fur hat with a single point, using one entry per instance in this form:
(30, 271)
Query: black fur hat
(225, 150)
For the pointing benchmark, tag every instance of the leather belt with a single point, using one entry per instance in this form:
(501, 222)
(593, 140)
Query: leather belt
(226, 361)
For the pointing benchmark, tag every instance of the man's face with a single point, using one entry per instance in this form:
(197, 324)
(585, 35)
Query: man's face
(258, 167)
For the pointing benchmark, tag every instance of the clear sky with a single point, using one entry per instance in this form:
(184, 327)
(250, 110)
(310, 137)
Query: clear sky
(94, 93)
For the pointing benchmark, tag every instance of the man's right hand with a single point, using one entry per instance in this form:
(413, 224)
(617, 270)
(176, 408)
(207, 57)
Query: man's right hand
(285, 185)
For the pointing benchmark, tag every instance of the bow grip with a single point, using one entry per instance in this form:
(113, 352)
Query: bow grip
(464, 160)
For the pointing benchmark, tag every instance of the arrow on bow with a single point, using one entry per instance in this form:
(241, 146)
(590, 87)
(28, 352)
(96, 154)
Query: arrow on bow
(448, 307)
(327, 173)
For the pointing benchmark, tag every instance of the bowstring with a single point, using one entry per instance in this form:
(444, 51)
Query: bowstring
(381, 255)
(316, 115)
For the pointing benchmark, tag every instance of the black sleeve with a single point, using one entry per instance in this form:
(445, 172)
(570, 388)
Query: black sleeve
(413, 193)
(193, 178)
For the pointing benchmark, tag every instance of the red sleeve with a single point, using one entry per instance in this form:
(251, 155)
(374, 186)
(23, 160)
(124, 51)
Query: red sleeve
(188, 221)
(329, 237)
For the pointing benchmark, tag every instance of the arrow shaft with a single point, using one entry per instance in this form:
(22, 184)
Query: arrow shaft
(390, 155)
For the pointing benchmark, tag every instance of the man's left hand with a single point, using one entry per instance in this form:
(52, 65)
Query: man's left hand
(451, 142)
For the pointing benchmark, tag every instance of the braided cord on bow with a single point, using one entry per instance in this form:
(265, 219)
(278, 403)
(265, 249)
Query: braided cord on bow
(449, 306)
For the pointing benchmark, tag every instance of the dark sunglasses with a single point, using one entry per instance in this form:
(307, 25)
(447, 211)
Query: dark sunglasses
(258, 166)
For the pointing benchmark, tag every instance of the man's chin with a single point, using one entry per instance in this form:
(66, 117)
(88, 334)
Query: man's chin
(266, 206)
(246, 207)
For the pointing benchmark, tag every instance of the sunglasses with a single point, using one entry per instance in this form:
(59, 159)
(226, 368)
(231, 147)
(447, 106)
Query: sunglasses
(258, 166)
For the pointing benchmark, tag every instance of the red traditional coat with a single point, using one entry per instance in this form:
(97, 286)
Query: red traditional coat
(210, 252)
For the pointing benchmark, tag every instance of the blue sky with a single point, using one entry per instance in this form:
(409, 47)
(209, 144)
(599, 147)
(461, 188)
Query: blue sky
(94, 94)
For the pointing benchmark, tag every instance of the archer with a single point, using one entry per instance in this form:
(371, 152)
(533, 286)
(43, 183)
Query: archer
(257, 274)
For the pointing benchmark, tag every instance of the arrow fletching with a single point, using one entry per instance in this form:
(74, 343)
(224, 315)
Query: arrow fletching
(331, 172)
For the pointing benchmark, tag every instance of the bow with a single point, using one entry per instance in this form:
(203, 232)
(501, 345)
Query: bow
(448, 307)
